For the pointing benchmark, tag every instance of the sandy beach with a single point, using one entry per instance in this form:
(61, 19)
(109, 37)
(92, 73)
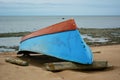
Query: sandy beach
(36, 71)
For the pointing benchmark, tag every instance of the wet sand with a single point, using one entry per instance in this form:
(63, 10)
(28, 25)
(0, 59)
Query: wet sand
(36, 71)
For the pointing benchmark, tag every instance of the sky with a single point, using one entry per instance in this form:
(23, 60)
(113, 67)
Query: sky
(59, 7)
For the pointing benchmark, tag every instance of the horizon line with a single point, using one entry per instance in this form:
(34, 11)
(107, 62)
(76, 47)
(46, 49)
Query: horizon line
(59, 15)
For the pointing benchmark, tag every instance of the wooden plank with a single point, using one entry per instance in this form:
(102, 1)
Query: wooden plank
(56, 66)
(16, 61)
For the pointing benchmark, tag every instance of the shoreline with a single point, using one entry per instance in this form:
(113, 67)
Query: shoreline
(82, 30)
(92, 36)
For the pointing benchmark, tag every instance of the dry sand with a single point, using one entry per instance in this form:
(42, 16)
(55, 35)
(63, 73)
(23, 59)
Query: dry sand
(36, 71)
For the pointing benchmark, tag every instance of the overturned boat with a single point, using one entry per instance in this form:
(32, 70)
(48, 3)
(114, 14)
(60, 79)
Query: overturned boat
(61, 40)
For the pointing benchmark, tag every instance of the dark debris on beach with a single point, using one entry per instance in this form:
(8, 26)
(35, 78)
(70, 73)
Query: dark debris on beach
(112, 34)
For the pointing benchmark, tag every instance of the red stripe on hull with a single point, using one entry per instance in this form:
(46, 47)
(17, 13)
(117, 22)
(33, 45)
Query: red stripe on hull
(59, 27)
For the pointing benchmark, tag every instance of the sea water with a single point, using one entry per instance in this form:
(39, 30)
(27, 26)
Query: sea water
(10, 24)
(32, 23)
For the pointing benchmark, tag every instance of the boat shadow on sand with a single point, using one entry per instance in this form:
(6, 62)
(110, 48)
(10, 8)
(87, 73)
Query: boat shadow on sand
(39, 60)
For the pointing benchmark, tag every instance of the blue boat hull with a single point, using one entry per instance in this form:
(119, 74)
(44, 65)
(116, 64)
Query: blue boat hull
(66, 45)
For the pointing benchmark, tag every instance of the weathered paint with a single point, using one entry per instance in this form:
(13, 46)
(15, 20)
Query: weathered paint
(67, 45)
(59, 27)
